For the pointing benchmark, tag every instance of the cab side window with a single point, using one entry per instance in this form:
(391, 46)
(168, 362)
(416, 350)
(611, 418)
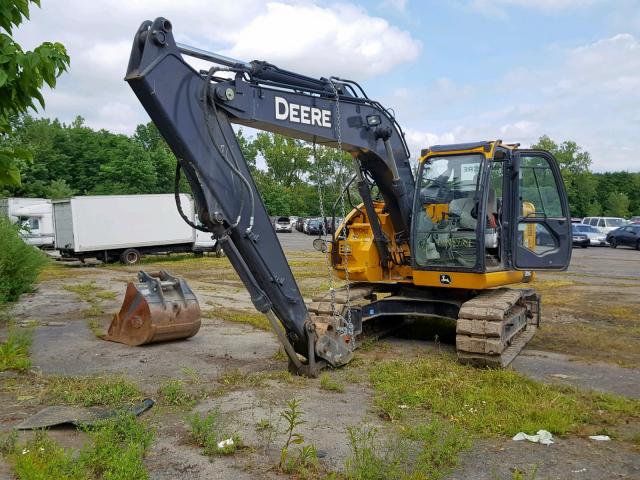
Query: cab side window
(538, 190)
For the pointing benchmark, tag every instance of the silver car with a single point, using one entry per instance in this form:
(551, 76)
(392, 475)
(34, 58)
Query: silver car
(596, 237)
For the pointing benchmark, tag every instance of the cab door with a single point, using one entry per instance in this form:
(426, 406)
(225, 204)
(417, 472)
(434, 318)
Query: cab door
(541, 230)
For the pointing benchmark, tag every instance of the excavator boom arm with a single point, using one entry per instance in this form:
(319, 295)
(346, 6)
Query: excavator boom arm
(194, 112)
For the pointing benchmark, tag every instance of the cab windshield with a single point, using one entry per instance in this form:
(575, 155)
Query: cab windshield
(447, 211)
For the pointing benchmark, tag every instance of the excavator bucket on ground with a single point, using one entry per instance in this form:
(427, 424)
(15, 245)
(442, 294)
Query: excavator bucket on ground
(157, 308)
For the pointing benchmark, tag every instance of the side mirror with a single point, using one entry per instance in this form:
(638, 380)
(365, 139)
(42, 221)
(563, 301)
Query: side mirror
(320, 245)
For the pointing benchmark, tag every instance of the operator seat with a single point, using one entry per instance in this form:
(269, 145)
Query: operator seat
(465, 210)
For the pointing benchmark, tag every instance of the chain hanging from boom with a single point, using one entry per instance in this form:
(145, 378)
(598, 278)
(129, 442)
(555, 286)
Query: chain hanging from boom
(348, 324)
(338, 318)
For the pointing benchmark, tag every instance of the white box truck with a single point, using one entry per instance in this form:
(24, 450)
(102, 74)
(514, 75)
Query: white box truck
(35, 217)
(125, 227)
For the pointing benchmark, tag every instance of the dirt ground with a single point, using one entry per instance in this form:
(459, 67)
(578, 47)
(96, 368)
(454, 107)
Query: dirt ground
(590, 339)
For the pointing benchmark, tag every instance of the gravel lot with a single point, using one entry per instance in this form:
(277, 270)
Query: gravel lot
(64, 344)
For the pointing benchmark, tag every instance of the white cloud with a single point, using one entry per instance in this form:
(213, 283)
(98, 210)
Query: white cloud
(342, 40)
(297, 34)
(590, 94)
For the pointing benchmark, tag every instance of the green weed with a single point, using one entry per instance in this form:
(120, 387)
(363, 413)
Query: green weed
(518, 474)
(174, 394)
(118, 449)
(304, 463)
(14, 351)
(369, 460)
(85, 291)
(106, 295)
(254, 319)
(327, 382)
(95, 310)
(42, 458)
(116, 452)
(420, 451)
(8, 442)
(210, 433)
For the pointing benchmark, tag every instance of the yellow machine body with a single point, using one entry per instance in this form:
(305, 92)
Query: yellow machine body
(359, 255)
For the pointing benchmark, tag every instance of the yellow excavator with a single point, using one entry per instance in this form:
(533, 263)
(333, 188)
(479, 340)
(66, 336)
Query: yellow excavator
(444, 240)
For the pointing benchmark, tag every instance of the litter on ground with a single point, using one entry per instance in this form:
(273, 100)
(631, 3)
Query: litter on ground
(542, 437)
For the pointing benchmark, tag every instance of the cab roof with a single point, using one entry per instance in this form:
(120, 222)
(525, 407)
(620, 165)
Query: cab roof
(484, 146)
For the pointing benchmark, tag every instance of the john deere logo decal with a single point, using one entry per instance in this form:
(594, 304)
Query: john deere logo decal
(445, 279)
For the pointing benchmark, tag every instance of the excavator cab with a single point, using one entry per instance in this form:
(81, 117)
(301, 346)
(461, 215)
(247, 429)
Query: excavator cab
(489, 210)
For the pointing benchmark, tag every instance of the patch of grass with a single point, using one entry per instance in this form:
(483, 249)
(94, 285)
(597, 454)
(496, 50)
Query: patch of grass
(95, 310)
(95, 328)
(92, 294)
(8, 442)
(517, 474)
(280, 355)
(369, 459)
(14, 351)
(236, 378)
(85, 291)
(254, 319)
(90, 391)
(542, 285)
(436, 446)
(490, 402)
(43, 458)
(419, 451)
(327, 382)
(174, 394)
(368, 344)
(210, 433)
(56, 271)
(604, 343)
(116, 451)
(106, 295)
(192, 374)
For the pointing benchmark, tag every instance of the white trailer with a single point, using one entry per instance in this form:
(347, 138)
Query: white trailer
(125, 227)
(35, 217)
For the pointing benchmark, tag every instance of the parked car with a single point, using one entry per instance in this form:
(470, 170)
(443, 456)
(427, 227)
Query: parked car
(628, 235)
(305, 225)
(596, 237)
(315, 227)
(283, 224)
(635, 219)
(579, 239)
(604, 224)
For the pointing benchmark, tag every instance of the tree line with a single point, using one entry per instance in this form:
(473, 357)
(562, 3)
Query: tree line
(615, 194)
(74, 159)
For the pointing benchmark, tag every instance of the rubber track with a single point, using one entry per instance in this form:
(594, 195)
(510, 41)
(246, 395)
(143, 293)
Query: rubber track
(495, 326)
(320, 311)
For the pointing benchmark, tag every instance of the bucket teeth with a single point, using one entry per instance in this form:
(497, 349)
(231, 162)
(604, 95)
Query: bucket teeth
(159, 307)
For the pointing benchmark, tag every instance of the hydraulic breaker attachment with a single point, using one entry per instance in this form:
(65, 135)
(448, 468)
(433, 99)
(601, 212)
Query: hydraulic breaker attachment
(159, 307)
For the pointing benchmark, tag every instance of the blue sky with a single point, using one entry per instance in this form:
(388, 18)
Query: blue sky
(453, 70)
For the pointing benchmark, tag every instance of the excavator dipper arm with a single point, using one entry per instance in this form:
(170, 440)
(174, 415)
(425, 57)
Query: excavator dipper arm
(194, 111)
